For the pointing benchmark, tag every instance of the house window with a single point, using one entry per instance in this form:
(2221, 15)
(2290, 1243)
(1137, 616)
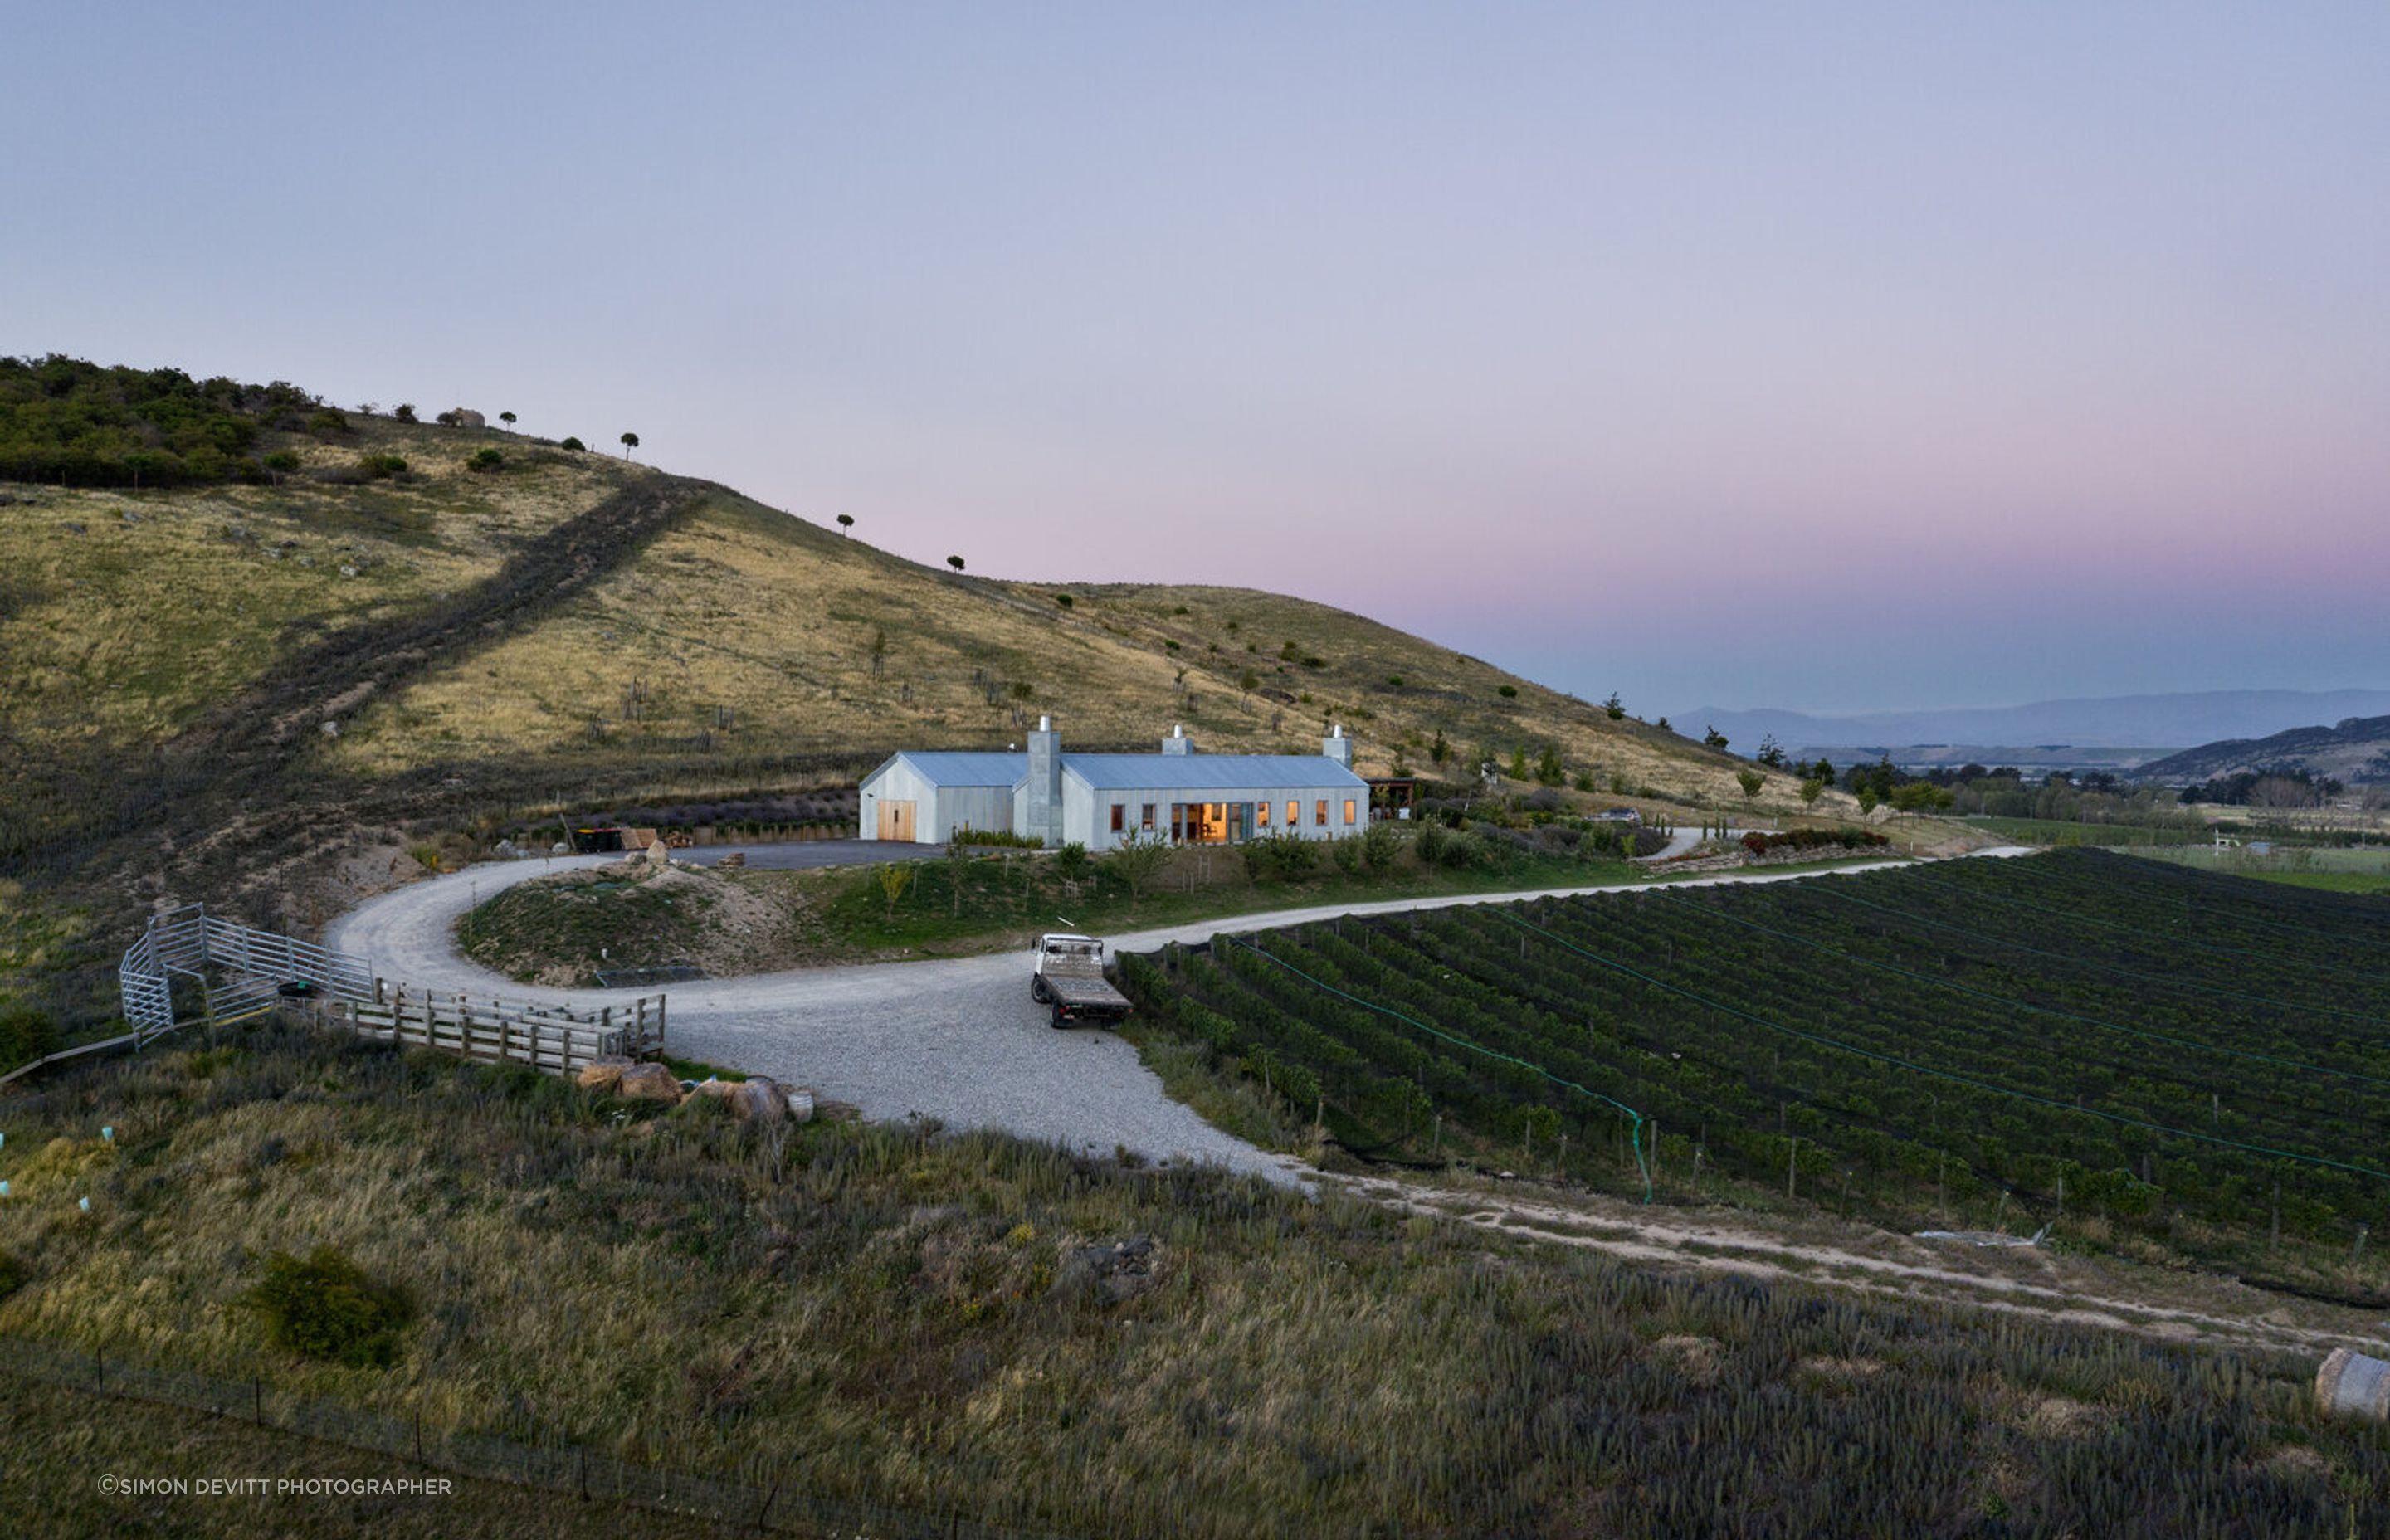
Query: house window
(1261, 817)
(1321, 817)
(1348, 811)
(1120, 816)
(1293, 812)
(1146, 821)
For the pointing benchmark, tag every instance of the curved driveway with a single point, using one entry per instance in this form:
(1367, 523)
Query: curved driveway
(956, 1039)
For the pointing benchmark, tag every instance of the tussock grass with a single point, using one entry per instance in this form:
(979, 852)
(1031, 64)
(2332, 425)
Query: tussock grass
(897, 1315)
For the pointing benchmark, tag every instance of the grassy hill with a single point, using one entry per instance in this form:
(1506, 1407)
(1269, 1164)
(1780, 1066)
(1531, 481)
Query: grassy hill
(343, 633)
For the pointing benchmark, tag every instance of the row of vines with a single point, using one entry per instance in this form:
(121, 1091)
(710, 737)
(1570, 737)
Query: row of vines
(2079, 1033)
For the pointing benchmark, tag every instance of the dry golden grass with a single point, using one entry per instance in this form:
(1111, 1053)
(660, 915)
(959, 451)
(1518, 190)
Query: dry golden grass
(759, 631)
(128, 614)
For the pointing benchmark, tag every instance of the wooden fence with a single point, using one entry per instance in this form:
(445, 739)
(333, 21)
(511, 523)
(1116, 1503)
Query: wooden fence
(558, 1039)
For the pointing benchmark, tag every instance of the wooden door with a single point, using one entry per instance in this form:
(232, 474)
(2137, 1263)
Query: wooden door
(896, 820)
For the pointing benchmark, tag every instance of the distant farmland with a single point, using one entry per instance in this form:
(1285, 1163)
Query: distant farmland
(2142, 1053)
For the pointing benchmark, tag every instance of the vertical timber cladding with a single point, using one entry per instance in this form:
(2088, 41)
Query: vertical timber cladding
(896, 820)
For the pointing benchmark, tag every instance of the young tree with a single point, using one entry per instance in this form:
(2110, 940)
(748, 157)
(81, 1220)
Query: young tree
(1612, 707)
(403, 411)
(1137, 861)
(1771, 754)
(1548, 770)
(629, 443)
(1714, 738)
(955, 562)
(846, 523)
(573, 443)
(1751, 781)
(1439, 750)
(508, 418)
(895, 877)
(1811, 789)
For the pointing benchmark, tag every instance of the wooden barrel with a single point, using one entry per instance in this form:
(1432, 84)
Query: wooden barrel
(2355, 1385)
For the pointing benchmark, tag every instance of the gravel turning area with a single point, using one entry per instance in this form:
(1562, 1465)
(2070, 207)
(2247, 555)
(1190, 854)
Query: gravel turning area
(956, 1039)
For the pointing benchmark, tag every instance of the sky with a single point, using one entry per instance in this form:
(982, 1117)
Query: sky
(1829, 358)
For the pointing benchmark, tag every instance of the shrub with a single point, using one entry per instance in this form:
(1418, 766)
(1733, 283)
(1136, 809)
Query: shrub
(12, 1274)
(1430, 842)
(1346, 852)
(1071, 862)
(379, 466)
(1464, 850)
(485, 460)
(999, 837)
(1381, 848)
(1064, 599)
(26, 1033)
(1286, 856)
(573, 443)
(325, 1307)
(403, 411)
(282, 460)
(1507, 692)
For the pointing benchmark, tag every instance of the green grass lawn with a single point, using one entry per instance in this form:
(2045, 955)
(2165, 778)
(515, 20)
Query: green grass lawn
(949, 907)
(2054, 831)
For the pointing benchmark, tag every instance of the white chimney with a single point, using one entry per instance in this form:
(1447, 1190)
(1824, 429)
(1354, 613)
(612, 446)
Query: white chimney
(1338, 747)
(1177, 742)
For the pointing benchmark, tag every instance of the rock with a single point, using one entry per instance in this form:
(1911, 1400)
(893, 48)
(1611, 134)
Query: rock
(560, 848)
(604, 1075)
(801, 1104)
(648, 1083)
(710, 1086)
(837, 1112)
(736, 858)
(330, 729)
(759, 1101)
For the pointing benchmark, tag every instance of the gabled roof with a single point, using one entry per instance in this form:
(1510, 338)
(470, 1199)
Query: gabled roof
(1208, 772)
(963, 767)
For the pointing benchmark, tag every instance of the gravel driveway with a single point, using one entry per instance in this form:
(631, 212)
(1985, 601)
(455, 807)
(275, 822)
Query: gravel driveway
(956, 1039)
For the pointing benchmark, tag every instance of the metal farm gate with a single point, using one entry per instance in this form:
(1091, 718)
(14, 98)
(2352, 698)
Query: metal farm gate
(228, 972)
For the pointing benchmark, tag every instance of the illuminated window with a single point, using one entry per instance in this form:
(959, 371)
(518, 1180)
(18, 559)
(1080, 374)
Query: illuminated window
(1321, 817)
(1120, 816)
(1293, 812)
(1261, 817)
(1348, 811)
(1145, 821)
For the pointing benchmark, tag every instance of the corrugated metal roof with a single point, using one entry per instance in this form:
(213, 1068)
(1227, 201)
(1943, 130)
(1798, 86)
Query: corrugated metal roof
(966, 768)
(1208, 772)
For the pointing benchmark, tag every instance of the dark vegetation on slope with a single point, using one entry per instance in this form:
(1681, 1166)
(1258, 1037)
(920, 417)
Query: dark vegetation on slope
(2168, 1061)
(69, 423)
(940, 1323)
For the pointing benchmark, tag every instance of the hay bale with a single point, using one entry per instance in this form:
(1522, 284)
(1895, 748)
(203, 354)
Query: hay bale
(604, 1075)
(649, 1082)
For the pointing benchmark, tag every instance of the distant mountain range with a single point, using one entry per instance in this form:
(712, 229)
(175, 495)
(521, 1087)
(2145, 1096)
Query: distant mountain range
(2357, 749)
(2151, 723)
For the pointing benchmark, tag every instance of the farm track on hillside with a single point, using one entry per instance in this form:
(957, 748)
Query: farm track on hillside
(235, 808)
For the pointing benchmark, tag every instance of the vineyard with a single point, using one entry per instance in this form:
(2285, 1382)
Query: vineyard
(2188, 1064)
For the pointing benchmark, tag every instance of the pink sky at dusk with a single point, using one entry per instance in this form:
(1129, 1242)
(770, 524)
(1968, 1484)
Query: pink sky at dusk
(1824, 358)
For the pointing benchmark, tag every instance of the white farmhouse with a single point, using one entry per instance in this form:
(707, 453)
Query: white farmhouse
(1103, 801)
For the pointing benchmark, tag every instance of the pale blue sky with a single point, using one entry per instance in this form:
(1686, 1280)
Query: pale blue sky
(1815, 356)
